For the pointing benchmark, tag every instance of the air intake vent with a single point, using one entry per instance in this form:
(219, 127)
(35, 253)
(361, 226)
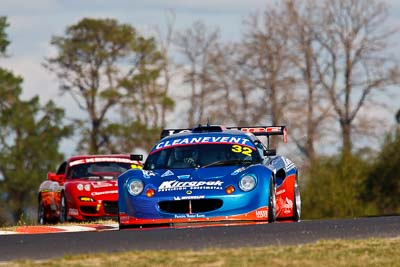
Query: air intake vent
(190, 206)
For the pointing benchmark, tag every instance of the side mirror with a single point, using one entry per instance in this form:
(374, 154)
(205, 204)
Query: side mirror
(138, 157)
(270, 152)
(59, 178)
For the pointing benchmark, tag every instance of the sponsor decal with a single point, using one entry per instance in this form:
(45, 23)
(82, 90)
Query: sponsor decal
(148, 174)
(237, 171)
(280, 191)
(287, 205)
(187, 176)
(261, 213)
(189, 197)
(204, 140)
(242, 149)
(272, 129)
(175, 185)
(171, 132)
(189, 216)
(288, 164)
(104, 193)
(123, 218)
(167, 173)
(189, 192)
(73, 212)
(100, 159)
(103, 184)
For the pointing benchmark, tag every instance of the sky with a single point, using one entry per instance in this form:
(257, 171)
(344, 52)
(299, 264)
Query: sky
(33, 23)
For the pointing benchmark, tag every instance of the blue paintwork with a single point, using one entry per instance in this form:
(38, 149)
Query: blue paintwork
(239, 202)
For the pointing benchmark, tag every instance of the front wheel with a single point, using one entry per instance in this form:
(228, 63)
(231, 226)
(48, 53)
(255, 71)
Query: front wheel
(272, 201)
(63, 209)
(41, 213)
(297, 202)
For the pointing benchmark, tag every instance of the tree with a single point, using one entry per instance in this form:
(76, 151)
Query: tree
(232, 101)
(4, 42)
(169, 68)
(29, 148)
(269, 65)
(352, 66)
(382, 187)
(145, 103)
(196, 44)
(309, 113)
(29, 142)
(96, 59)
(332, 189)
(29, 145)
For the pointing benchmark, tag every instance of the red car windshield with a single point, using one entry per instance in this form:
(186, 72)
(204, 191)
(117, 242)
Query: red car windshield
(98, 170)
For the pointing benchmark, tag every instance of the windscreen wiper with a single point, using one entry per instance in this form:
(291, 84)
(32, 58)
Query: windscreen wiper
(228, 162)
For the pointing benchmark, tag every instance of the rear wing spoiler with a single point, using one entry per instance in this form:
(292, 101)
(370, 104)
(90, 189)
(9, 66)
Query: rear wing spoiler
(256, 130)
(264, 130)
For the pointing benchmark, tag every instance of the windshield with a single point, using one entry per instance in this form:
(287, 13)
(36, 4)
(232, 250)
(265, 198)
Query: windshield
(98, 170)
(197, 156)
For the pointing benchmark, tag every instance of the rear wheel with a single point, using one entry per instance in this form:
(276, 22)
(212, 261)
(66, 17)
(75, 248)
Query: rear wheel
(41, 213)
(272, 201)
(296, 202)
(63, 209)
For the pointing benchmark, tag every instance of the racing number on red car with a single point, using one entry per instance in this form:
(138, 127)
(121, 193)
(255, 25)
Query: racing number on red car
(242, 149)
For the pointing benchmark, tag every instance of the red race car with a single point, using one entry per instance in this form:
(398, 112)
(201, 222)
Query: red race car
(83, 188)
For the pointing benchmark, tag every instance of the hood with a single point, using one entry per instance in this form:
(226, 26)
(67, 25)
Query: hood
(200, 180)
(193, 174)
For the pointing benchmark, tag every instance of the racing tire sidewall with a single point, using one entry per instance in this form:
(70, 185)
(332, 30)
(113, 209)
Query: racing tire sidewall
(41, 213)
(63, 209)
(272, 201)
(296, 202)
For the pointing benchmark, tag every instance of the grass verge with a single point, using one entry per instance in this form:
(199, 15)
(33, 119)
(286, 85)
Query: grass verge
(335, 253)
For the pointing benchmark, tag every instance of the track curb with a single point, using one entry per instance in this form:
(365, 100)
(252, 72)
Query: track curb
(44, 229)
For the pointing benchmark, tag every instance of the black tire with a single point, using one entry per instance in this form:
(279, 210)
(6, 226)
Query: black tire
(296, 202)
(41, 219)
(63, 209)
(272, 201)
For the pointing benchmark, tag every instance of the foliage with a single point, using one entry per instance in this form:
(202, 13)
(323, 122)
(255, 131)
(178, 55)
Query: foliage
(29, 143)
(333, 187)
(373, 189)
(104, 64)
(127, 137)
(382, 187)
(4, 42)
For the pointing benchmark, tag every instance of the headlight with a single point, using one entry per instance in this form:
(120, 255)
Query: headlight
(79, 187)
(247, 182)
(87, 187)
(135, 187)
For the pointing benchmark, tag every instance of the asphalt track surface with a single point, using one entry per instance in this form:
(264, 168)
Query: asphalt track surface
(45, 246)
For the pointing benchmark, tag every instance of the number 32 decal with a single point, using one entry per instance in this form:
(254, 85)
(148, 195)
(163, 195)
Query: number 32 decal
(242, 149)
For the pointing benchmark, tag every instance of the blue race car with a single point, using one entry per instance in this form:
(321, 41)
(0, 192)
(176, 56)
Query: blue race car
(210, 174)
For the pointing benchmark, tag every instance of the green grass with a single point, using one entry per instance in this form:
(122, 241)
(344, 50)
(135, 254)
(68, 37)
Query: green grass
(335, 253)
